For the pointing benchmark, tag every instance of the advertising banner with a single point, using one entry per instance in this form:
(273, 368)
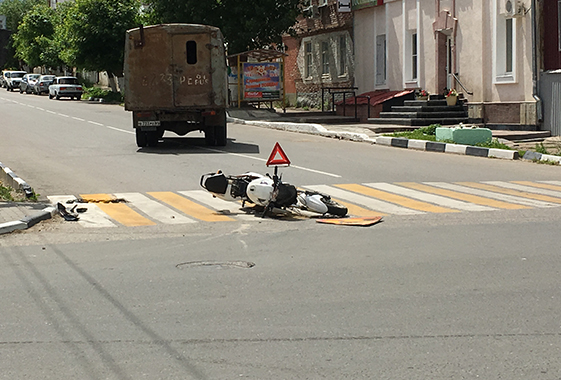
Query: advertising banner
(261, 81)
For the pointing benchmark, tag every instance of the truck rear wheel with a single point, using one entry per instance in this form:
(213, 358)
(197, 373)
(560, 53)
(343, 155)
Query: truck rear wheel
(210, 136)
(220, 135)
(141, 139)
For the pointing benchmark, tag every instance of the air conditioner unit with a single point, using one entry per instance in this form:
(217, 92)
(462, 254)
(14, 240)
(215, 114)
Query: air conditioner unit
(514, 8)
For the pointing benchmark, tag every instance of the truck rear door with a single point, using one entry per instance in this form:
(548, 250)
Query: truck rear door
(192, 69)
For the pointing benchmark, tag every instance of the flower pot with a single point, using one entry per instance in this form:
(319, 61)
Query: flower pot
(451, 100)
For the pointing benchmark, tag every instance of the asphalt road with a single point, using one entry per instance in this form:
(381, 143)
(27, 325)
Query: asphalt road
(431, 295)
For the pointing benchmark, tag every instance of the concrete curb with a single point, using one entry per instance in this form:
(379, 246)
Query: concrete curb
(28, 221)
(530, 155)
(310, 128)
(11, 179)
(467, 150)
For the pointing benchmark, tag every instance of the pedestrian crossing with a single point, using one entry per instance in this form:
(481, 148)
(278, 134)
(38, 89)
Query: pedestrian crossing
(135, 209)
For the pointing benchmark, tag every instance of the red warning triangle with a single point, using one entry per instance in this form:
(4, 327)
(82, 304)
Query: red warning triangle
(278, 157)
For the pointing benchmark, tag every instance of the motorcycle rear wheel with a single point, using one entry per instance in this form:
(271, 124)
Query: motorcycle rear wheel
(334, 208)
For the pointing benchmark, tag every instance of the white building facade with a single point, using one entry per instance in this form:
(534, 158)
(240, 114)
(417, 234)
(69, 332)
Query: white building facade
(482, 48)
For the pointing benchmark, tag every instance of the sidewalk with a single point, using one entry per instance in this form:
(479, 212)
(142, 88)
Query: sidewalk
(22, 215)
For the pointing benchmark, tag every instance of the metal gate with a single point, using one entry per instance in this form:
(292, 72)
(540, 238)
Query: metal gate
(550, 93)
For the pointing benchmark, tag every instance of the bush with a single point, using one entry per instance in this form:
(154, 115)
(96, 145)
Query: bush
(106, 95)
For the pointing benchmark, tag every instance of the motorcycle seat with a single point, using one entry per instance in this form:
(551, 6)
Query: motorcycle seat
(217, 183)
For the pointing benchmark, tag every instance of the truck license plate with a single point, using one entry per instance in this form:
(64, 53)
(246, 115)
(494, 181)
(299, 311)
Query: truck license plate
(149, 123)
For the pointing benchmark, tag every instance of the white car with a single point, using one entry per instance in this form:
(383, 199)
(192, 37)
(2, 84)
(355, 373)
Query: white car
(13, 79)
(68, 87)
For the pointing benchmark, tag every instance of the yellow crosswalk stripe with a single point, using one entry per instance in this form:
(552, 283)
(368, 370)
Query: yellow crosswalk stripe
(118, 211)
(503, 190)
(539, 185)
(476, 199)
(355, 210)
(394, 198)
(189, 207)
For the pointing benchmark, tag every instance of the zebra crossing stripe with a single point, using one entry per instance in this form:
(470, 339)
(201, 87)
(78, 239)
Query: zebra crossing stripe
(405, 189)
(371, 203)
(189, 207)
(490, 194)
(118, 211)
(526, 188)
(220, 205)
(556, 183)
(92, 218)
(395, 198)
(517, 193)
(155, 209)
(463, 196)
(543, 185)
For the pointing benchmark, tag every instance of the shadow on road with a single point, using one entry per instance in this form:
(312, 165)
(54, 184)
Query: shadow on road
(194, 145)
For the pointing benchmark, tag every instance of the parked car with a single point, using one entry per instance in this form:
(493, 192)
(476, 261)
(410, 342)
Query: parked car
(27, 83)
(42, 85)
(3, 79)
(13, 79)
(65, 87)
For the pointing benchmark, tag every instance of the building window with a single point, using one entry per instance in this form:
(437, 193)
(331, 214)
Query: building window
(325, 58)
(509, 46)
(414, 56)
(559, 23)
(342, 55)
(505, 49)
(308, 59)
(381, 59)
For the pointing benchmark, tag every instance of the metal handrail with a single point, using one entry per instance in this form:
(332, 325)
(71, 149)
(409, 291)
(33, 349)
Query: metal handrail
(461, 84)
(333, 94)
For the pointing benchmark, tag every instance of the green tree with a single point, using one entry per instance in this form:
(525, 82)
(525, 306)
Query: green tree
(93, 34)
(15, 10)
(34, 35)
(245, 24)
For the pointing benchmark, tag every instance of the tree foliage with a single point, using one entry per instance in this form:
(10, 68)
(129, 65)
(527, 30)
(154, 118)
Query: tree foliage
(245, 24)
(34, 35)
(15, 10)
(93, 33)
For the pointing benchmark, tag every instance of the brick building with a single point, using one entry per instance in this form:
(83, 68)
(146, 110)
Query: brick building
(320, 54)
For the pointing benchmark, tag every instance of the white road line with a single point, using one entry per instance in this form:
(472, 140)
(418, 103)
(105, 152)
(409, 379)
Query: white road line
(230, 208)
(95, 123)
(431, 198)
(558, 183)
(492, 195)
(30, 106)
(371, 203)
(49, 111)
(525, 188)
(93, 217)
(264, 160)
(78, 118)
(154, 209)
(40, 109)
(61, 114)
(121, 130)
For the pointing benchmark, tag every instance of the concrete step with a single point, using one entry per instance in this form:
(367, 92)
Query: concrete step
(424, 115)
(418, 122)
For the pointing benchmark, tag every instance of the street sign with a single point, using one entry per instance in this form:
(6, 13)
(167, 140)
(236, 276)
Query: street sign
(278, 157)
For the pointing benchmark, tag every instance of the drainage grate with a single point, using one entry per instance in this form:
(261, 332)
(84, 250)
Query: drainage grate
(219, 264)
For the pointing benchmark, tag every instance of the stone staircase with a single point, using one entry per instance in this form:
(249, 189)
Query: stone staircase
(418, 113)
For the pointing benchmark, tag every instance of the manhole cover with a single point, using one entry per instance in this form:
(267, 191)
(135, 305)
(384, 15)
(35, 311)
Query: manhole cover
(217, 264)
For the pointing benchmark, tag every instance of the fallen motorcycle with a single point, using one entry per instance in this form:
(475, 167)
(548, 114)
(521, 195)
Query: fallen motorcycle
(271, 193)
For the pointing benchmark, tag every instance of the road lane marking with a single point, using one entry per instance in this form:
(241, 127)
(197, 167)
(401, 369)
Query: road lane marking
(61, 114)
(78, 118)
(395, 198)
(516, 193)
(371, 203)
(526, 188)
(95, 123)
(154, 209)
(490, 194)
(189, 207)
(428, 197)
(463, 196)
(118, 211)
(121, 130)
